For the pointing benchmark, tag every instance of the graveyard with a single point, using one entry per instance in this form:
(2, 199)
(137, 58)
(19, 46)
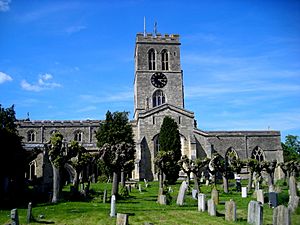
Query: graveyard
(141, 207)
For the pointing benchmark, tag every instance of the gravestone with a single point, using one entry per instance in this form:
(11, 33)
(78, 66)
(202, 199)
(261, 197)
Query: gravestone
(162, 199)
(14, 217)
(298, 186)
(146, 183)
(211, 207)
(281, 216)
(260, 196)
(147, 223)
(104, 196)
(170, 189)
(181, 194)
(255, 213)
(122, 219)
(140, 188)
(292, 186)
(230, 210)
(201, 202)
(244, 192)
(113, 206)
(194, 193)
(215, 196)
(293, 203)
(207, 182)
(29, 212)
(273, 199)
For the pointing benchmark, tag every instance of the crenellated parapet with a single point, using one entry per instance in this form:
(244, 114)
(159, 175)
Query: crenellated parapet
(157, 38)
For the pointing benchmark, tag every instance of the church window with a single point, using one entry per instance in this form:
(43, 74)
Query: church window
(31, 136)
(164, 60)
(258, 154)
(78, 136)
(151, 59)
(158, 98)
(231, 155)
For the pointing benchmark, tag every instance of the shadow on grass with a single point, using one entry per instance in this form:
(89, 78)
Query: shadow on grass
(43, 221)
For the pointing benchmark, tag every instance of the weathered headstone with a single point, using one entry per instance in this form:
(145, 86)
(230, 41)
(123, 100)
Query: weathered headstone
(122, 219)
(146, 183)
(207, 182)
(170, 189)
(201, 202)
(230, 210)
(293, 203)
(281, 216)
(113, 206)
(298, 186)
(244, 192)
(215, 196)
(162, 199)
(104, 196)
(140, 188)
(260, 196)
(255, 213)
(292, 186)
(14, 217)
(29, 212)
(278, 174)
(211, 207)
(181, 194)
(273, 199)
(194, 193)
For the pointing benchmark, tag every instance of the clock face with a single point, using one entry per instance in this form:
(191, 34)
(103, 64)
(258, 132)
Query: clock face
(159, 80)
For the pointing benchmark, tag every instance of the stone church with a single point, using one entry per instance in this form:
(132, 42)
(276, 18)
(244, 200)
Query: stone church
(158, 92)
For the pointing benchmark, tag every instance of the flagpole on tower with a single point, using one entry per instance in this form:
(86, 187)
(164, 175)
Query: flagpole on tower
(144, 26)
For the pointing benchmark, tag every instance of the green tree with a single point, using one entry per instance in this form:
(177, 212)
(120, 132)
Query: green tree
(12, 160)
(80, 158)
(291, 148)
(169, 150)
(115, 140)
(56, 150)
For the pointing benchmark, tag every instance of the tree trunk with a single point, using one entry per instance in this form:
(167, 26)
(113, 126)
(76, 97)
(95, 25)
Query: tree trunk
(76, 182)
(225, 183)
(123, 178)
(196, 183)
(56, 184)
(250, 181)
(188, 179)
(115, 184)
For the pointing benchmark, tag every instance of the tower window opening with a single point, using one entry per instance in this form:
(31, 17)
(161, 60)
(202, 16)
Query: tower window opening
(151, 59)
(158, 98)
(164, 60)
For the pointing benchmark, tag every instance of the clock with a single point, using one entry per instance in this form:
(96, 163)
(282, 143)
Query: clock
(159, 80)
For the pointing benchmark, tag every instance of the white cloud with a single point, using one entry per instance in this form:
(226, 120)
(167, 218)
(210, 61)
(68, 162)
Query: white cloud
(75, 29)
(42, 84)
(4, 77)
(4, 5)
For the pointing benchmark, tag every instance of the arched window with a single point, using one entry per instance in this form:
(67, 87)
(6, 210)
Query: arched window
(231, 155)
(151, 59)
(164, 60)
(158, 98)
(31, 136)
(258, 154)
(32, 170)
(78, 136)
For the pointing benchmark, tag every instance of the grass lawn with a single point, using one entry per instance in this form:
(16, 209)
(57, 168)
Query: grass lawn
(141, 207)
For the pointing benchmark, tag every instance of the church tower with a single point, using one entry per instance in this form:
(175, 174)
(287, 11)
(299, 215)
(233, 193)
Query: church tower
(158, 74)
(158, 92)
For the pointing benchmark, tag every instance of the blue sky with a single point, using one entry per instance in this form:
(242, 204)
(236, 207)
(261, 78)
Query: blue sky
(63, 60)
